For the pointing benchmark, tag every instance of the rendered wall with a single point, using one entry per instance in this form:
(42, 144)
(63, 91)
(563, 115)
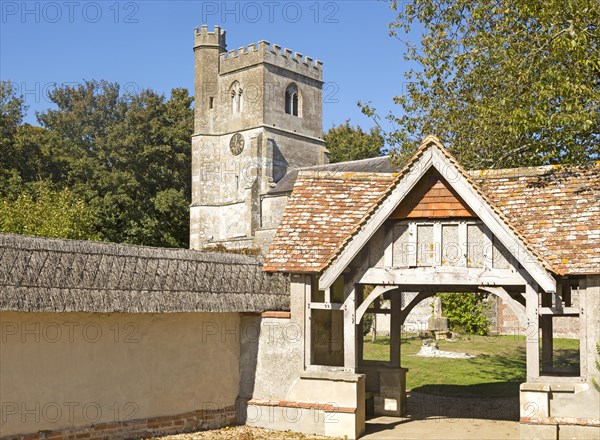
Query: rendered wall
(272, 351)
(67, 370)
(275, 390)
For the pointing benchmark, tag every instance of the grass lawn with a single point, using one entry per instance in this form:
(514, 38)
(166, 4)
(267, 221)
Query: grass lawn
(497, 369)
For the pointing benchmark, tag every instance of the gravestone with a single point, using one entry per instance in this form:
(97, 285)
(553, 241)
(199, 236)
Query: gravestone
(438, 324)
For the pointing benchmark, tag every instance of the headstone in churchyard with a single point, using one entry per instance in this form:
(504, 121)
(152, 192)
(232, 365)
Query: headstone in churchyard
(438, 324)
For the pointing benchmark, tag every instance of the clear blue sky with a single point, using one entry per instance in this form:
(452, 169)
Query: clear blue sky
(148, 44)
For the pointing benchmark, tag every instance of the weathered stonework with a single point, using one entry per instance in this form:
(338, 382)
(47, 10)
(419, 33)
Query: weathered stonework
(244, 92)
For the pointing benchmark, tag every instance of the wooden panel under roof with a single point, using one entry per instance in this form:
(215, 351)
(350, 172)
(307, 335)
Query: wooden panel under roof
(432, 197)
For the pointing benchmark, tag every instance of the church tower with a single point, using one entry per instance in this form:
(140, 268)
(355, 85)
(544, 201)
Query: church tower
(258, 115)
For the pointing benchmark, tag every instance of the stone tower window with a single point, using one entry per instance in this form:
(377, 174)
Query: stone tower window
(293, 102)
(237, 98)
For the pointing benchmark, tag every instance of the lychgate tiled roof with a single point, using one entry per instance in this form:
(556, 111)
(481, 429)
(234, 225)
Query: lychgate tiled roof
(557, 209)
(323, 210)
(553, 210)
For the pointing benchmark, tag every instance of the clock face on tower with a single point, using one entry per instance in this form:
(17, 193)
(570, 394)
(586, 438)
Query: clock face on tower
(236, 144)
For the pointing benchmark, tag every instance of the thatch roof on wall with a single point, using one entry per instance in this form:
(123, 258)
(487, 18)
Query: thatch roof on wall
(50, 275)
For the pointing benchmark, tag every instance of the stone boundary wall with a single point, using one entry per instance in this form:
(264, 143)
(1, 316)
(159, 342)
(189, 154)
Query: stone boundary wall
(507, 323)
(141, 428)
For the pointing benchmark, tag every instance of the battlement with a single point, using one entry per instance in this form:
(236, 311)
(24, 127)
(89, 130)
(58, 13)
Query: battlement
(204, 38)
(265, 52)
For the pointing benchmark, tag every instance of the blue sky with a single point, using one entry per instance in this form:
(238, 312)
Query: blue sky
(148, 44)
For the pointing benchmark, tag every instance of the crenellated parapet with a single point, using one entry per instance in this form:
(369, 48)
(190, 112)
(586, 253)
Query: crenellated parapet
(265, 52)
(204, 38)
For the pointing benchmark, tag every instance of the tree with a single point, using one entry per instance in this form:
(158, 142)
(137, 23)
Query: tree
(12, 110)
(346, 142)
(29, 202)
(42, 211)
(24, 154)
(128, 156)
(502, 82)
(466, 312)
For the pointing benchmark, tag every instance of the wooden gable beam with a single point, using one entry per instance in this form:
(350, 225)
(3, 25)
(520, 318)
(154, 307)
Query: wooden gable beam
(375, 222)
(496, 225)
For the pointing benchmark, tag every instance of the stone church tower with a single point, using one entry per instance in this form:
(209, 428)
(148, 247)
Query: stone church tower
(258, 115)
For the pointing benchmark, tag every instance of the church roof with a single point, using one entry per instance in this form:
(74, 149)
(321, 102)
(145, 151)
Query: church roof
(554, 210)
(50, 275)
(381, 164)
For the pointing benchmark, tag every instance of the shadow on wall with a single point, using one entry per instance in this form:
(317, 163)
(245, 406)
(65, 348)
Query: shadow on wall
(280, 165)
(250, 336)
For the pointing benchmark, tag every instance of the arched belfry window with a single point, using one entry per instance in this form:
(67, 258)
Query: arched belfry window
(237, 98)
(293, 101)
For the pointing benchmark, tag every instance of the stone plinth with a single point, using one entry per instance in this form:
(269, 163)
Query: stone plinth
(438, 323)
(391, 400)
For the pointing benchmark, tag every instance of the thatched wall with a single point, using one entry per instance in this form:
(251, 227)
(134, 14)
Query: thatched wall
(49, 275)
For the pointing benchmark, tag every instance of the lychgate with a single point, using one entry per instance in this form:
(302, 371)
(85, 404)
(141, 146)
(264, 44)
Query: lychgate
(353, 241)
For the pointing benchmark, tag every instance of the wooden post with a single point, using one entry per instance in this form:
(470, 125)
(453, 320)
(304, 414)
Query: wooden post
(360, 350)
(395, 329)
(583, 327)
(350, 327)
(547, 342)
(307, 321)
(547, 301)
(532, 333)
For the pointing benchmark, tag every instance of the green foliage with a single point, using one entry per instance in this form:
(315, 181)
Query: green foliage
(502, 82)
(28, 204)
(346, 142)
(367, 323)
(594, 381)
(127, 156)
(466, 312)
(43, 211)
(12, 109)
(26, 152)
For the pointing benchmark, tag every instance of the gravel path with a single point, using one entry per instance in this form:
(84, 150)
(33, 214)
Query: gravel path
(242, 433)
